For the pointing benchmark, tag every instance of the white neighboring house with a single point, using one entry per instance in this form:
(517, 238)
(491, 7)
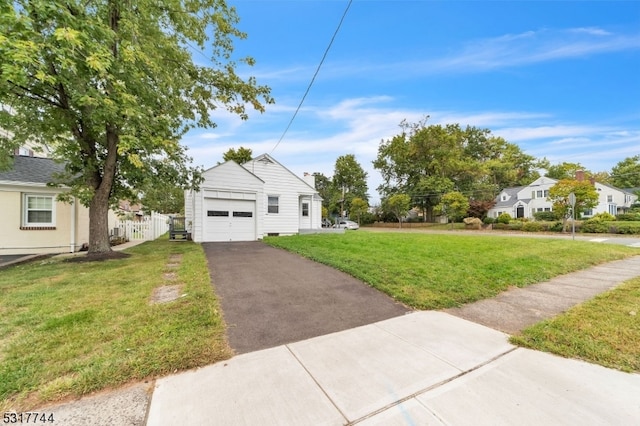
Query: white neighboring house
(248, 202)
(524, 201)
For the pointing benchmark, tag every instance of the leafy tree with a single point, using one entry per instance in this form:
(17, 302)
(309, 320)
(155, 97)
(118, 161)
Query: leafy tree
(241, 155)
(326, 190)
(111, 87)
(626, 174)
(429, 161)
(349, 180)
(586, 197)
(565, 170)
(163, 199)
(358, 208)
(398, 205)
(453, 205)
(479, 208)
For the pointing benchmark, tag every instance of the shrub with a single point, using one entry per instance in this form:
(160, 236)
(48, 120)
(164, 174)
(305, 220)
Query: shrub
(628, 217)
(515, 225)
(488, 220)
(504, 218)
(603, 217)
(556, 227)
(626, 228)
(545, 216)
(595, 226)
(533, 227)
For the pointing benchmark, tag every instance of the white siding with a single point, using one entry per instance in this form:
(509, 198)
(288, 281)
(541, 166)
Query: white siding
(287, 187)
(226, 181)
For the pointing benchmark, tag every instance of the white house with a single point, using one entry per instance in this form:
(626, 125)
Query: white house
(248, 202)
(524, 201)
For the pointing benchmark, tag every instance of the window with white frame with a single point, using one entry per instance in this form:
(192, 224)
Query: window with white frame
(273, 204)
(539, 194)
(39, 210)
(305, 209)
(609, 198)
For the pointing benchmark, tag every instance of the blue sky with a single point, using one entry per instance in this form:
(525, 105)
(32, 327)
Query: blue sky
(559, 79)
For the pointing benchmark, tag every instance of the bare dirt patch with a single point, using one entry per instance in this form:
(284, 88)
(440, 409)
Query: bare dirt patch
(165, 293)
(170, 276)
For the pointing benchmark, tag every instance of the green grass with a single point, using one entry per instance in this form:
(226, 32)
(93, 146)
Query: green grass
(67, 329)
(604, 330)
(433, 271)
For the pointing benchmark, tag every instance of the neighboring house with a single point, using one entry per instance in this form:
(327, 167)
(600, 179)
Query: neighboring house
(33, 222)
(131, 211)
(248, 202)
(524, 201)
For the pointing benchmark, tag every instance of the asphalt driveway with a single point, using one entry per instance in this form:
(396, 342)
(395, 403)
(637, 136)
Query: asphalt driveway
(271, 297)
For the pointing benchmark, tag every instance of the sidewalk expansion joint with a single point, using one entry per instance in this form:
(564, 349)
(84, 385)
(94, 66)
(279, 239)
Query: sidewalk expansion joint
(434, 386)
(318, 384)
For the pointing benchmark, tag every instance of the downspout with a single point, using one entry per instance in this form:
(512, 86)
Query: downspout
(73, 225)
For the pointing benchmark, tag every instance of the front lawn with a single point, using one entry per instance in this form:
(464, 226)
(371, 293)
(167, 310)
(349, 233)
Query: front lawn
(68, 328)
(604, 330)
(434, 271)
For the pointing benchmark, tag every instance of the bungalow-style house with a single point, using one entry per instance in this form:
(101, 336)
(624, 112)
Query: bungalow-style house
(33, 222)
(247, 202)
(524, 201)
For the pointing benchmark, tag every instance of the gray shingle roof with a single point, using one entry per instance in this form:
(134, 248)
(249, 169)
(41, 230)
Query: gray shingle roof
(32, 169)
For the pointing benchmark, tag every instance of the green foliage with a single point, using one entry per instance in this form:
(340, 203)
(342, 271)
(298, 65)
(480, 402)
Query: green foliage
(349, 182)
(626, 174)
(556, 227)
(398, 205)
(595, 226)
(545, 216)
(241, 155)
(604, 216)
(564, 170)
(625, 228)
(162, 198)
(488, 220)
(358, 208)
(429, 161)
(586, 196)
(628, 217)
(453, 205)
(533, 227)
(504, 218)
(111, 88)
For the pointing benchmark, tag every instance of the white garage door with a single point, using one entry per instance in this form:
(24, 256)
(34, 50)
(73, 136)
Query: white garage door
(229, 220)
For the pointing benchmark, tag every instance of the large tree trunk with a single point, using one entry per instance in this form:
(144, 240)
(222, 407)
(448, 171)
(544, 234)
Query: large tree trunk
(99, 206)
(99, 225)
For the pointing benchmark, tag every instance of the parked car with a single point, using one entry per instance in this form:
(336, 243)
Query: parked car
(347, 224)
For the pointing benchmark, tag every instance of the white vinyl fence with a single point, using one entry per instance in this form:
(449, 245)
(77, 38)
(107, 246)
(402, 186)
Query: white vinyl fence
(149, 228)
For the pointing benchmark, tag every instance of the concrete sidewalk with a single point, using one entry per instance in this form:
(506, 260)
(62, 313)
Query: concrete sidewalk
(420, 368)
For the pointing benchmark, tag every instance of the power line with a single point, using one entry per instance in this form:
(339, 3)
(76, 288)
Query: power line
(314, 76)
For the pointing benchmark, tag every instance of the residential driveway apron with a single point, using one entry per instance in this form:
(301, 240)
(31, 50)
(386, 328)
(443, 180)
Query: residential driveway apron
(271, 297)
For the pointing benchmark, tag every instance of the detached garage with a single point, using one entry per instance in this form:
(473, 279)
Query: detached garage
(244, 203)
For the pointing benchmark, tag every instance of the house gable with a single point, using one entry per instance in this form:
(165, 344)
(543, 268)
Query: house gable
(261, 197)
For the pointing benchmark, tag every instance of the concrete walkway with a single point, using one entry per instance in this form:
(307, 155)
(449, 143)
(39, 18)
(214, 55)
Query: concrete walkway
(420, 368)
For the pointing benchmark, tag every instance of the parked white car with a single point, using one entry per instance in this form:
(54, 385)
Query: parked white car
(347, 224)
